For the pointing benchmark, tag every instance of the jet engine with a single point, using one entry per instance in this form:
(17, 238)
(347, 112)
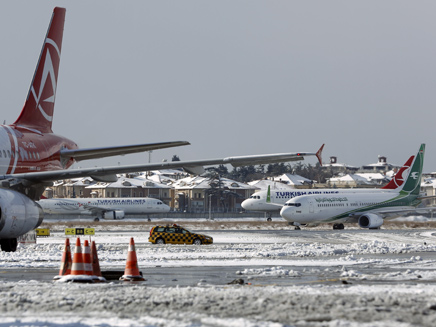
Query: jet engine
(18, 215)
(370, 220)
(113, 214)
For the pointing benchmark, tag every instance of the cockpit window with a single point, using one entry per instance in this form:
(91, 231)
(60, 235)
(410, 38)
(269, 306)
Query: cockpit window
(293, 204)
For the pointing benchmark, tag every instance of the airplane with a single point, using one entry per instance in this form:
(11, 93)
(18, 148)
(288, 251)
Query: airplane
(103, 208)
(368, 209)
(32, 156)
(272, 201)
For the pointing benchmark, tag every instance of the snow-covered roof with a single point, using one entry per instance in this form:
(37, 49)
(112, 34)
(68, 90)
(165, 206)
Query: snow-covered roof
(349, 178)
(373, 176)
(291, 179)
(82, 181)
(135, 182)
(198, 182)
(264, 183)
(429, 182)
(339, 165)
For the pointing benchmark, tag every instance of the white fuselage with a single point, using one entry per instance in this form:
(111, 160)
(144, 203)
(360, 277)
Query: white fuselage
(87, 206)
(258, 201)
(339, 208)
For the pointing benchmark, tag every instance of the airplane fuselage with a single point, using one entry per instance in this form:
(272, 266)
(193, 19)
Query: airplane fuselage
(90, 206)
(23, 150)
(343, 207)
(258, 200)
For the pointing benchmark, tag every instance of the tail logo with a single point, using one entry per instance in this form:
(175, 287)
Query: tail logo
(48, 71)
(399, 178)
(414, 175)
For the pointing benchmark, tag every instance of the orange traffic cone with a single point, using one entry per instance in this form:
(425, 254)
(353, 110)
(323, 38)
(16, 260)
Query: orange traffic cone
(95, 264)
(77, 269)
(131, 273)
(66, 262)
(87, 263)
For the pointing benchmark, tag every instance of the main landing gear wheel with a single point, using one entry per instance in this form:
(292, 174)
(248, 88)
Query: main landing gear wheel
(338, 226)
(269, 219)
(9, 244)
(96, 219)
(297, 228)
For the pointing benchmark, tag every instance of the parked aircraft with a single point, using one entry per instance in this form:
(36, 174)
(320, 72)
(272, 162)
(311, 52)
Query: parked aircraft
(103, 208)
(369, 209)
(32, 156)
(272, 201)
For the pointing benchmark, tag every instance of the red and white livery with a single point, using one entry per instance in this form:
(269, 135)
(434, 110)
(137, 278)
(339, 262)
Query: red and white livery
(32, 156)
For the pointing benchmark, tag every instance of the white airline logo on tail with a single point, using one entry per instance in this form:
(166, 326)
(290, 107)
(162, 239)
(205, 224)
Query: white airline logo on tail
(48, 70)
(414, 175)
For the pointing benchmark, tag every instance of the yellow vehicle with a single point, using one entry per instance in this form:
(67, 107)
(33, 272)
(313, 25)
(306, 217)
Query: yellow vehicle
(177, 235)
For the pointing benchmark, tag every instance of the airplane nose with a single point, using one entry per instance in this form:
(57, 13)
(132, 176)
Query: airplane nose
(245, 204)
(285, 212)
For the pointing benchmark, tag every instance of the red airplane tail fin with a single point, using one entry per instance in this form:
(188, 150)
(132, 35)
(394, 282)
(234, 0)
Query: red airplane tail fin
(38, 109)
(400, 177)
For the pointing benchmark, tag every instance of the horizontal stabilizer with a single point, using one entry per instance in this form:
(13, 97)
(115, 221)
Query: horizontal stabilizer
(96, 153)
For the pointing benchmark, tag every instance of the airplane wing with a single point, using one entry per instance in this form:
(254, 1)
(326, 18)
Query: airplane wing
(94, 210)
(108, 174)
(97, 153)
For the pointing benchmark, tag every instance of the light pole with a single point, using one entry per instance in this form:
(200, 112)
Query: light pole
(210, 206)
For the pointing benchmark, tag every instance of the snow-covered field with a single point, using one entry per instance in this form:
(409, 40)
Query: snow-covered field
(313, 277)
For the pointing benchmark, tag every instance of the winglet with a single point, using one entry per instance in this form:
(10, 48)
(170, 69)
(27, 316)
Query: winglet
(319, 154)
(268, 194)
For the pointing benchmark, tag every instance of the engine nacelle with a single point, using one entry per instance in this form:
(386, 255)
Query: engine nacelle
(113, 214)
(370, 220)
(18, 214)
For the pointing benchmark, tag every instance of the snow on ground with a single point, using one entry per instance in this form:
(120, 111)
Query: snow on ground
(289, 278)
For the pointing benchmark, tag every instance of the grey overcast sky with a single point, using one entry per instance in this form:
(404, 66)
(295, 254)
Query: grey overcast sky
(234, 77)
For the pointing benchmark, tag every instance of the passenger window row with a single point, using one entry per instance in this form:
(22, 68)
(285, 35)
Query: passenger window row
(24, 155)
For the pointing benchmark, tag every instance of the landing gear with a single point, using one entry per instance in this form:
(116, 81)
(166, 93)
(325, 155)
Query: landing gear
(268, 215)
(296, 225)
(9, 244)
(96, 219)
(338, 226)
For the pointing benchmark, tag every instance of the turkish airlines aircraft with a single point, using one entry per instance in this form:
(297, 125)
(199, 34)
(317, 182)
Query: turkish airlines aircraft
(103, 208)
(32, 156)
(369, 209)
(272, 201)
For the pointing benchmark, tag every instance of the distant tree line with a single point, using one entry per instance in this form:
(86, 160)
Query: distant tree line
(250, 173)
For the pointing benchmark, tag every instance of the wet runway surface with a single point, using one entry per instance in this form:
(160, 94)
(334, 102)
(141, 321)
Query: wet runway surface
(305, 268)
(273, 278)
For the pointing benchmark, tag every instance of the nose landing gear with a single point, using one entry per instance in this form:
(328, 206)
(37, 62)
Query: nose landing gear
(338, 226)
